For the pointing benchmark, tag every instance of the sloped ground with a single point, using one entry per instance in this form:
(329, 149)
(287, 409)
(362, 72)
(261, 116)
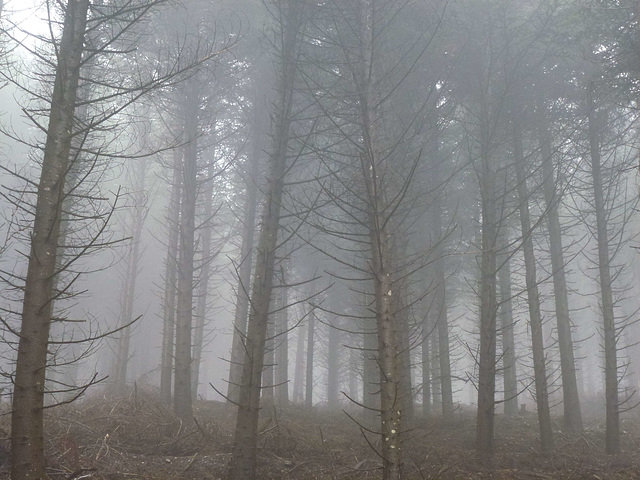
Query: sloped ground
(138, 438)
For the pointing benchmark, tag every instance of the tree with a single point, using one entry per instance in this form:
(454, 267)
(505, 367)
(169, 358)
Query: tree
(533, 295)
(290, 16)
(596, 120)
(170, 280)
(132, 267)
(27, 451)
(250, 177)
(552, 195)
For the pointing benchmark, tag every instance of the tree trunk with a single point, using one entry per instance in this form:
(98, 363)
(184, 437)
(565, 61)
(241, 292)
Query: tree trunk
(381, 247)
(269, 359)
(298, 376)
(170, 280)
(406, 387)
(436, 392)
(310, 351)
(572, 412)
(606, 288)
(353, 373)
(27, 455)
(488, 303)
(282, 350)
(333, 366)
(371, 373)
(182, 404)
(509, 367)
(131, 274)
(243, 459)
(440, 294)
(426, 370)
(246, 256)
(533, 296)
(203, 282)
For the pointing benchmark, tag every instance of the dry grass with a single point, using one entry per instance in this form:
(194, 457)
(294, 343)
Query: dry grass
(139, 438)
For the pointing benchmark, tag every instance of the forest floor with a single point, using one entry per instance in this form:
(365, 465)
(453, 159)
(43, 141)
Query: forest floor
(137, 438)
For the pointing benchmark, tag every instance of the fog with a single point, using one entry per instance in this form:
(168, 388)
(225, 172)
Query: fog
(403, 210)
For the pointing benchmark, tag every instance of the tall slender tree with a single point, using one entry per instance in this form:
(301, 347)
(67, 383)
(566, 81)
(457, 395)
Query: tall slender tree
(290, 17)
(27, 444)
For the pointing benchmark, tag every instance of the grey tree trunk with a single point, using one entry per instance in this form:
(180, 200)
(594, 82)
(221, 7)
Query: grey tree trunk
(572, 411)
(246, 255)
(381, 246)
(406, 386)
(488, 302)
(426, 370)
(203, 282)
(533, 296)
(27, 449)
(282, 350)
(128, 293)
(509, 367)
(243, 459)
(170, 280)
(371, 373)
(182, 404)
(298, 377)
(354, 366)
(606, 290)
(268, 379)
(436, 392)
(333, 366)
(310, 352)
(440, 294)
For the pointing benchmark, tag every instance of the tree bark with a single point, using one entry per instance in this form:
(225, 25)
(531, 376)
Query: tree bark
(426, 370)
(298, 376)
(533, 296)
(268, 379)
(488, 302)
(170, 280)
(440, 294)
(310, 352)
(27, 455)
(282, 350)
(371, 373)
(131, 275)
(572, 411)
(246, 256)
(203, 282)
(606, 289)
(333, 366)
(243, 459)
(182, 404)
(509, 367)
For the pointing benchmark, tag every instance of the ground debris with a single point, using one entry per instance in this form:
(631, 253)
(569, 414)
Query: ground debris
(140, 439)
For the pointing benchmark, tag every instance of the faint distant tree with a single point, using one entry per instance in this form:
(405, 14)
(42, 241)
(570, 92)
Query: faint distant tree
(170, 278)
(133, 231)
(282, 345)
(509, 364)
(298, 376)
(308, 397)
(208, 254)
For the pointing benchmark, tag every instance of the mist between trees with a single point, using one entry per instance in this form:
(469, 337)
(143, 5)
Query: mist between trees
(403, 209)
